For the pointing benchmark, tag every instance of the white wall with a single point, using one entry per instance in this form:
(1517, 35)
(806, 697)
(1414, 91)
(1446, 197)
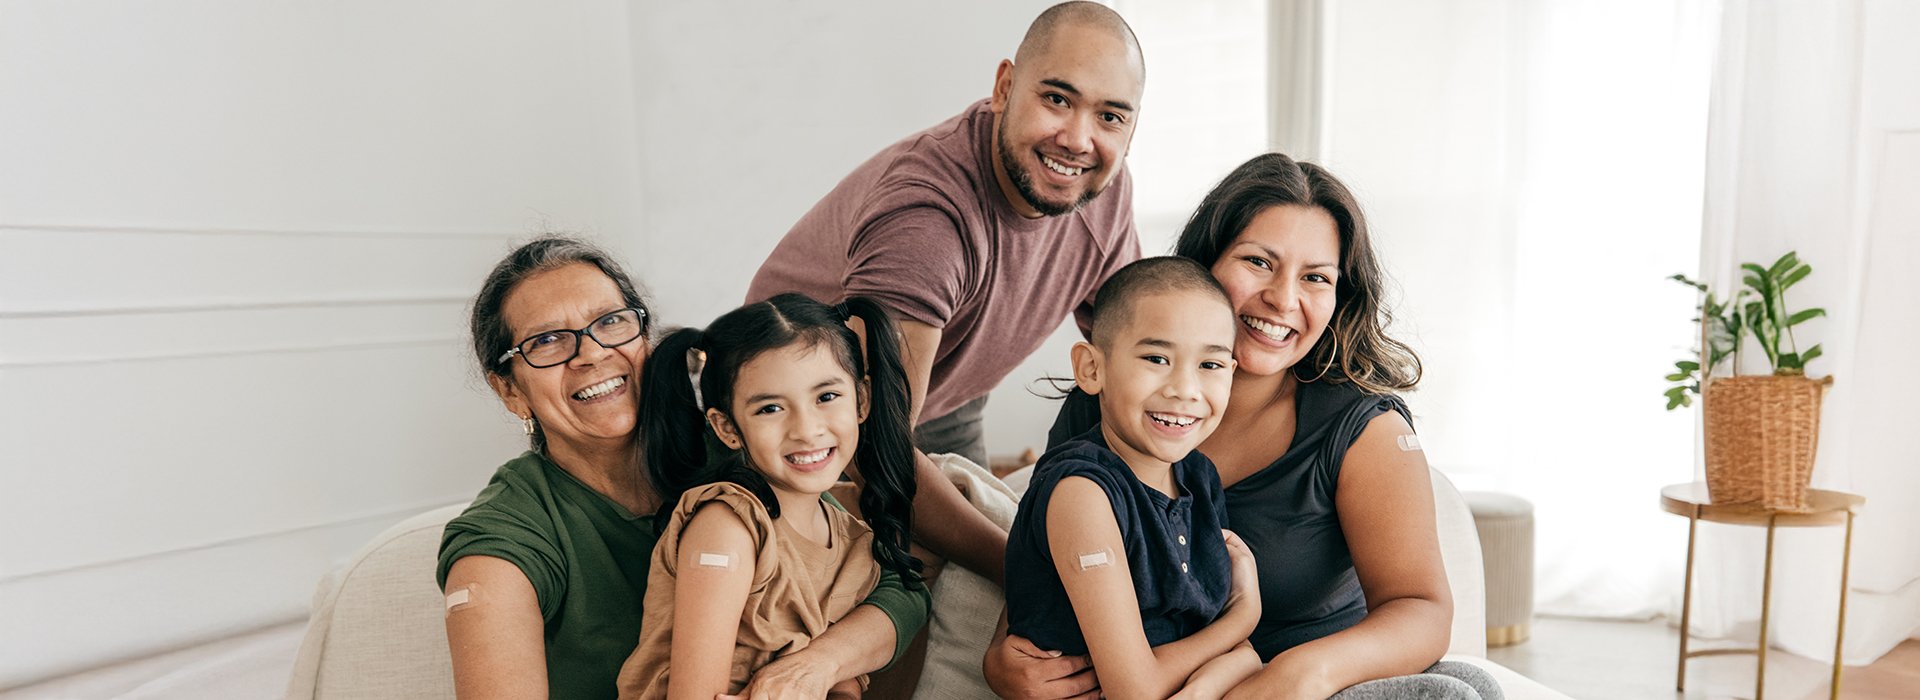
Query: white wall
(750, 112)
(236, 244)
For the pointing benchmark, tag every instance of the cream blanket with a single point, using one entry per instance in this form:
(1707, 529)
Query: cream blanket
(966, 607)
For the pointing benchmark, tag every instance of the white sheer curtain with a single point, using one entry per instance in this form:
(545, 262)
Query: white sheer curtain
(1815, 147)
(1533, 170)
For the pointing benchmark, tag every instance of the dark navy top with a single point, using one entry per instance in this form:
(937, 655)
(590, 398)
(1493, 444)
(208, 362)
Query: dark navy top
(1285, 514)
(1174, 549)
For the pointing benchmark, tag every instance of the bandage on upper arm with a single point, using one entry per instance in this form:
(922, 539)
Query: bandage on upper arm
(463, 598)
(1094, 560)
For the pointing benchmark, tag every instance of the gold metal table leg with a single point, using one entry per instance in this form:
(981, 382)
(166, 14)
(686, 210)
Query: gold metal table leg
(1686, 599)
(1766, 600)
(1840, 628)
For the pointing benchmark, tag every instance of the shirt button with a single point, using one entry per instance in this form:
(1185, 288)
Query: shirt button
(1183, 539)
(1183, 567)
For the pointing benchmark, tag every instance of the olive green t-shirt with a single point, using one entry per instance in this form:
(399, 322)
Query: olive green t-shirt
(588, 560)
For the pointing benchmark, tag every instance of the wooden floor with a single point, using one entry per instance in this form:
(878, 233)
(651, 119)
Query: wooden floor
(1587, 659)
(1606, 659)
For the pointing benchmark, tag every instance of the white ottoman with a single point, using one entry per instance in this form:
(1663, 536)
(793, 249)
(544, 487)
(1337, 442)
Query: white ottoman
(1505, 522)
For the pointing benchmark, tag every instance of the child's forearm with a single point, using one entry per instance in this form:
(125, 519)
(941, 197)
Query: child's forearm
(1231, 629)
(1217, 677)
(1175, 663)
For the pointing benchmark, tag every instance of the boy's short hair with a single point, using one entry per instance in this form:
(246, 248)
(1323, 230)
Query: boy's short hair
(1113, 304)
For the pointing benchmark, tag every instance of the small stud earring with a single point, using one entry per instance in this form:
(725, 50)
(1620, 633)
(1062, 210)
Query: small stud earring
(528, 423)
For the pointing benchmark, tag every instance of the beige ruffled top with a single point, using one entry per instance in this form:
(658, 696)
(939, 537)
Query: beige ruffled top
(799, 588)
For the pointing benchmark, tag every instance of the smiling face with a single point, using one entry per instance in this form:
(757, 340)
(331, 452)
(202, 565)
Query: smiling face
(586, 405)
(797, 411)
(1064, 118)
(1163, 377)
(1281, 275)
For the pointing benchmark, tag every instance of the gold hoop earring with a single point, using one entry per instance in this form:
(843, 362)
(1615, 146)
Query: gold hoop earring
(527, 422)
(1333, 355)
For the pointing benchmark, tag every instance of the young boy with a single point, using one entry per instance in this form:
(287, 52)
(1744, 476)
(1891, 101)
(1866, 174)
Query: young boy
(1118, 549)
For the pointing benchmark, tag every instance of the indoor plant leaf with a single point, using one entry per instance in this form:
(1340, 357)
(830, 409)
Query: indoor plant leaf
(1785, 263)
(1802, 316)
(1683, 280)
(1798, 273)
(1758, 280)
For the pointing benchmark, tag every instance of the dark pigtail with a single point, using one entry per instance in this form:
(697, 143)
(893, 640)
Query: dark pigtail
(672, 426)
(681, 450)
(885, 456)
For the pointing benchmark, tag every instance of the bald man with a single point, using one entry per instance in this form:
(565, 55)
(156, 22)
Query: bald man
(982, 234)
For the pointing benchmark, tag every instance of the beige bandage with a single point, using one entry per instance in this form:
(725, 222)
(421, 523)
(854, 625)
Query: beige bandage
(462, 598)
(1409, 443)
(715, 560)
(1095, 560)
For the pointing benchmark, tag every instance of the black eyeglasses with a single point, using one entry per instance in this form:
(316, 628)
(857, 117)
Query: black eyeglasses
(553, 348)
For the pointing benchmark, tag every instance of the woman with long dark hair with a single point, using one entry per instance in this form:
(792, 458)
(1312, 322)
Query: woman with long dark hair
(1322, 471)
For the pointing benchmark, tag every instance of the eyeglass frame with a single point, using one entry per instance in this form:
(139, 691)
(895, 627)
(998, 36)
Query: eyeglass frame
(641, 313)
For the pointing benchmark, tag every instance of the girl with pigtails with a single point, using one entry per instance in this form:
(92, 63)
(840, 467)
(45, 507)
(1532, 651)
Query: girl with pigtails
(754, 558)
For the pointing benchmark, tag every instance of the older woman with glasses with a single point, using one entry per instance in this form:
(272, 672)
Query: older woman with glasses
(546, 571)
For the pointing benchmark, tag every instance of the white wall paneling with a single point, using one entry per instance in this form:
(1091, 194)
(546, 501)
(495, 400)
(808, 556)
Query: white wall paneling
(200, 425)
(237, 242)
(72, 619)
(411, 115)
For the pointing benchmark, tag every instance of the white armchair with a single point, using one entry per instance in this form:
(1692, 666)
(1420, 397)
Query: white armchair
(1460, 551)
(378, 628)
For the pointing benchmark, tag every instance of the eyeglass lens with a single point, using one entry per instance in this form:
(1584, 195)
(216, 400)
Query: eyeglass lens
(556, 347)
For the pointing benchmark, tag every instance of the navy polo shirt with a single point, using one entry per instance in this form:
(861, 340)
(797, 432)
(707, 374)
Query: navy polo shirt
(1181, 574)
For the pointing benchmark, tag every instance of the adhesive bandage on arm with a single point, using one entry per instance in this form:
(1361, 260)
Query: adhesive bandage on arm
(463, 597)
(715, 560)
(1095, 560)
(1409, 443)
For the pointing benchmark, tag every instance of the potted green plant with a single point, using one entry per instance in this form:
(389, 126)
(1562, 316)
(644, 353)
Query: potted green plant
(1761, 430)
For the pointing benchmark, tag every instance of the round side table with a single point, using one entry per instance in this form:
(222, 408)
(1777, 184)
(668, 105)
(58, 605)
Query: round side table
(1824, 508)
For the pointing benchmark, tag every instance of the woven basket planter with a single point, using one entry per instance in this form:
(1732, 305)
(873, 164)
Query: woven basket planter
(1761, 435)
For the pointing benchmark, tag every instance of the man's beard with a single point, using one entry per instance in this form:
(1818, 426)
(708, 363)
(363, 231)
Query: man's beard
(1023, 182)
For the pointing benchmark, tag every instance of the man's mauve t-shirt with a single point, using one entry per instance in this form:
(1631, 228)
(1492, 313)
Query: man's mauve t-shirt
(923, 227)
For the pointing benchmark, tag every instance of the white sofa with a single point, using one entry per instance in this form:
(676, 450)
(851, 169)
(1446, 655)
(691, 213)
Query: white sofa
(377, 629)
(1460, 550)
